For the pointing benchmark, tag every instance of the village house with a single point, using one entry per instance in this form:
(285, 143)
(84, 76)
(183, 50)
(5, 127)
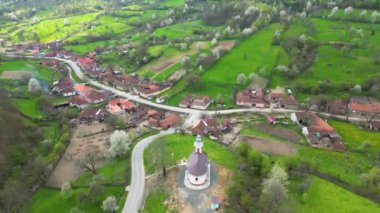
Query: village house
(289, 102)
(201, 102)
(90, 67)
(374, 125)
(281, 100)
(88, 116)
(186, 102)
(64, 87)
(94, 96)
(363, 106)
(149, 89)
(251, 98)
(211, 127)
(119, 106)
(158, 119)
(125, 82)
(336, 107)
(79, 101)
(204, 126)
(82, 89)
(54, 45)
(318, 133)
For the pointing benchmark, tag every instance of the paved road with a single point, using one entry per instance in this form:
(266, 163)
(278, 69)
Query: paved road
(136, 193)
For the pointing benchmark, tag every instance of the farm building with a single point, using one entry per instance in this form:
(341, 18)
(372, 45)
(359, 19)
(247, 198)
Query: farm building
(374, 125)
(318, 133)
(201, 102)
(250, 98)
(119, 106)
(363, 106)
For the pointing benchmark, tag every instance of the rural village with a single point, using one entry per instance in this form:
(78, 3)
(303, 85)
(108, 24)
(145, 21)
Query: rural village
(145, 124)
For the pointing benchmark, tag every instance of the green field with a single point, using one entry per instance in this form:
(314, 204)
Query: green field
(29, 107)
(44, 200)
(220, 78)
(53, 29)
(183, 30)
(112, 172)
(105, 25)
(177, 147)
(323, 196)
(154, 201)
(333, 64)
(38, 71)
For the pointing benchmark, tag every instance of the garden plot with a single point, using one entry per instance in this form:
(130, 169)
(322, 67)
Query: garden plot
(85, 139)
(15, 75)
(283, 133)
(268, 146)
(226, 45)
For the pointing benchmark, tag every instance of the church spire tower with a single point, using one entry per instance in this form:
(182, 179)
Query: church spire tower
(198, 144)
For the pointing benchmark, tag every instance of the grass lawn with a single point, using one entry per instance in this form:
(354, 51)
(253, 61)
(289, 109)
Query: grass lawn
(38, 71)
(154, 201)
(346, 166)
(332, 62)
(84, 49)
(172, 3)
(354, 137)
(105, 25)
(177, 147)
(182, 30)
(220, 78)
(112, 172)
(53, 29)
(46, 200)
(323, 196)
(29, 107)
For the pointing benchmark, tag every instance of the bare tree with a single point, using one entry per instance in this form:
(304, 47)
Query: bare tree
(88, 162)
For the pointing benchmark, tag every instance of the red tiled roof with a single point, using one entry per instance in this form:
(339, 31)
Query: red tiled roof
(187, 100)
(169, 121)
(94, 96)
(81, 88)
(275, 95)
(85, 61)
(290, 100)
(79, 100)
(364, 104)
(202, 101)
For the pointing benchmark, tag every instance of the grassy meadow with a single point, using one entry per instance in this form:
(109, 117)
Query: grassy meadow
(178, 147)
(323, 196)
(252, 54)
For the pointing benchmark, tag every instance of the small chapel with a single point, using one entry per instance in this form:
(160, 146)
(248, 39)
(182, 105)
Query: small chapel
(198, 168)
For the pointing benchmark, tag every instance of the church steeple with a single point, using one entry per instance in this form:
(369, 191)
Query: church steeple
(198, 144)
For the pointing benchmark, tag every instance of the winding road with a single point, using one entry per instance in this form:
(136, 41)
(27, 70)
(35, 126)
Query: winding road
(136, 193)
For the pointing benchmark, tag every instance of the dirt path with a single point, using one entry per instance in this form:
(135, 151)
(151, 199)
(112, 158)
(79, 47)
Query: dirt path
(268, 146)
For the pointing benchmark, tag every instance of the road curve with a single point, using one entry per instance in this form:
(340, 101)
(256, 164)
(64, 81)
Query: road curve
(136, 193)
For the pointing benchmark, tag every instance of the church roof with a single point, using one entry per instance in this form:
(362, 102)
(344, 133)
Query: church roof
(198, 164)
